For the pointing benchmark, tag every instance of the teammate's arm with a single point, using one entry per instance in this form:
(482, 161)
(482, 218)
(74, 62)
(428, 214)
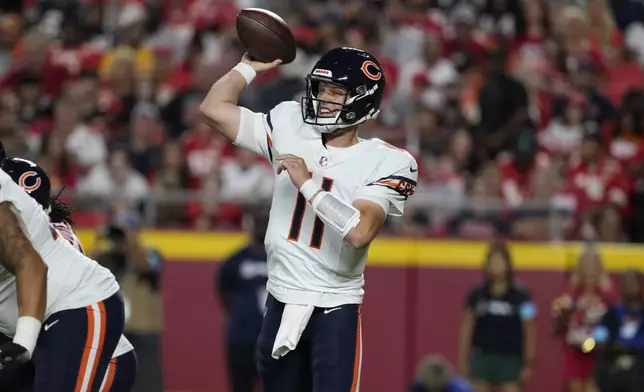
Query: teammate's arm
(220, 109)
(21, 259)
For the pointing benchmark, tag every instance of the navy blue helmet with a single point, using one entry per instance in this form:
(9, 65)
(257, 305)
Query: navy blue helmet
(30, 177)
(354, 70)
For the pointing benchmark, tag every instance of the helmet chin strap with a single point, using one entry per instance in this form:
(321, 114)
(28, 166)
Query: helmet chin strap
(335, 123)
(336, 127)
(331, 128)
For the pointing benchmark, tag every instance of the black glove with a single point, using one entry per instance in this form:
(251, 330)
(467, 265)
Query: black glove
(13, 355)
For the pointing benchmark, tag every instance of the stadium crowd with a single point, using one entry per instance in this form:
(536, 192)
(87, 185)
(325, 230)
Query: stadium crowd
(526, 117)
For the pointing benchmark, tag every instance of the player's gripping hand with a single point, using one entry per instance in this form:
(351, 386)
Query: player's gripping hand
(258, 66)
(12, 355)
(295, 167)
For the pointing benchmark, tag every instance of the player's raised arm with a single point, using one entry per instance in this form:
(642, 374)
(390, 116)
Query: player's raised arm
(221, 112)
(21, 259)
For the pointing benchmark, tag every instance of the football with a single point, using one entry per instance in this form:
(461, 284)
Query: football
(265, 35)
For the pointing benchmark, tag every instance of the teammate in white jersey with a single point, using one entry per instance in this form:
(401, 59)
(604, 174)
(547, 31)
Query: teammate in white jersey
(333, 191)
(83, 314)
(121, 372)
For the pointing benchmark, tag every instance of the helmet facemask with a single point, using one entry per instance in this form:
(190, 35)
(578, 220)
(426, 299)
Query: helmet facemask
(350, 113)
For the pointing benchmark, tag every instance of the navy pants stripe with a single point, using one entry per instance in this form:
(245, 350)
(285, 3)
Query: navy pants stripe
(120, 374)
(76, 345)
(327, 358)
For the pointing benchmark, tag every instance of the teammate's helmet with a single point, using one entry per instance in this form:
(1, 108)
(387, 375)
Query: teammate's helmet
(31, 177)
(359, 73)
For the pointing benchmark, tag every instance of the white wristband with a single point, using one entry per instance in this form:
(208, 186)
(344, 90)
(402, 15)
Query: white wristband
(334, 212)
(27, 332)
(246, 71)
(309, 189)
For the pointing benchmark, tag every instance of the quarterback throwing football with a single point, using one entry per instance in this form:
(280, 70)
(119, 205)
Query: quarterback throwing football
(333, 191)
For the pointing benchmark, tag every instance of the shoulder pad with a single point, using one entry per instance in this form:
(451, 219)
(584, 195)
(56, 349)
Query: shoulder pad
(284, 114)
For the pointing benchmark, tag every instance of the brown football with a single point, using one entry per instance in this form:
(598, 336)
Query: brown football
(265, 35)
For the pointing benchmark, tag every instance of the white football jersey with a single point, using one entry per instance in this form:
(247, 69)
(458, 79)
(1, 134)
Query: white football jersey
(308, 263)
(73, 280)
(67, 231)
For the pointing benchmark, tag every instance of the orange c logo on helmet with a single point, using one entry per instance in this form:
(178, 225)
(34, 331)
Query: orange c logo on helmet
(372, 70)
(23, 178)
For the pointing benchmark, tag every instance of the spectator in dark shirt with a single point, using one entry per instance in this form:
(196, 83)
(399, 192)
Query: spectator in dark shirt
(435, 374)
(498, 331)
(241, 286)
(503, 107)
(620, 339)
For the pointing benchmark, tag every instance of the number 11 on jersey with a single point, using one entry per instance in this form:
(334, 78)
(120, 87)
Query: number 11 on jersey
(298, 217)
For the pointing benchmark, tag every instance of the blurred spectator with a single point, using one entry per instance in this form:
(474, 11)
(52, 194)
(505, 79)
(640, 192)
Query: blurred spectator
(145, 139)
(10, 31)
(57, 161)
(564, 132)
(204, 149)
(181, 111)
(426, 77)
(34, 60)
(11, 134)
(241, 288)
(497, 340)
(84, 143)
(130, 34)
(171, 177)
(604, 187)
(116, 180)
(577, 312)
(478, 219)
(245, 180)
(620, 339)
(210, 211)
(520, 168)
(435, 374)
(503, 107)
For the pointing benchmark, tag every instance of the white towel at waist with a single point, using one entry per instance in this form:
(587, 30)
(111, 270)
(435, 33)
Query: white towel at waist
(294, 321)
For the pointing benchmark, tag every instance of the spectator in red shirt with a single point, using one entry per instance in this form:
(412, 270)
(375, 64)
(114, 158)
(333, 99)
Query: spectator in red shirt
(73, 51)
(576, 313)
(463, 38)
(203, 151)
(564, 132)
(532, 34)
(577, 46)
(604, 34)
(604, 185)
(518, 169)
(526, 186)
(35, 61)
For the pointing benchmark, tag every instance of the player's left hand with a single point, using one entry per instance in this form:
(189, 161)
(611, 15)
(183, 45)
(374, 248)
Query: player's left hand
(295, 167)
(13, 354)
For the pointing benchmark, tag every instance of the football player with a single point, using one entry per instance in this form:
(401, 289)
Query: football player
(333, 191)
(74, 311)
(122, 369)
